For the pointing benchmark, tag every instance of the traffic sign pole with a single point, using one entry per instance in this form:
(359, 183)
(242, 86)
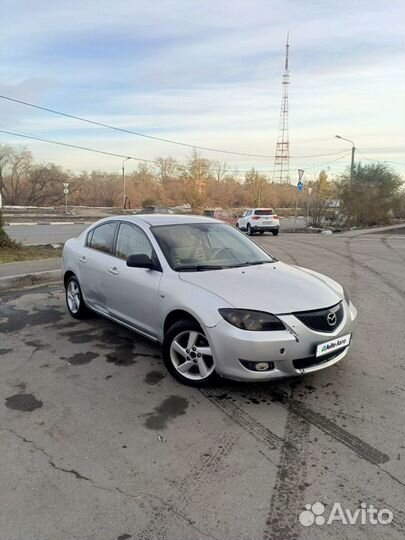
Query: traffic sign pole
(300, 187)
(66, 192)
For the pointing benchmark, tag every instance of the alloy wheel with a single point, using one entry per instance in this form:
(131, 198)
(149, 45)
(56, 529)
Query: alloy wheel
(191, 355)
(73, 296)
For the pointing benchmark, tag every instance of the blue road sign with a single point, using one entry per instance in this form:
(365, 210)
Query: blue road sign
(300, 186)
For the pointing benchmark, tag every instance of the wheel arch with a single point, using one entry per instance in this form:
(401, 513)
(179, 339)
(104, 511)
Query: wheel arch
(68, 274)
(178, 315)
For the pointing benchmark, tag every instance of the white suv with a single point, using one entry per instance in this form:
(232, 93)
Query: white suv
(259, 220)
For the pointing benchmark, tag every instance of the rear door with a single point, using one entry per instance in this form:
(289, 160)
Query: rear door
(133, 293)
(94, 259)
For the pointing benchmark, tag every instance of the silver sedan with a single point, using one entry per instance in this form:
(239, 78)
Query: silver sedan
(216, 301)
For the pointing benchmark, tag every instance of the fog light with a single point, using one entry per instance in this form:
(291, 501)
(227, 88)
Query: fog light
(257, 366)
(262, 366)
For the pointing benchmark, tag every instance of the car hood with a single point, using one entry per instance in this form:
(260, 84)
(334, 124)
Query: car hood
(276, 287)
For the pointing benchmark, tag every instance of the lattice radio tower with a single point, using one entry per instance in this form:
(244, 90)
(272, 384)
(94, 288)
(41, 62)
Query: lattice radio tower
(281, 171)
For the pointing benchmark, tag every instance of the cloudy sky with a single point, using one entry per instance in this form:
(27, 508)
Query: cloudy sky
(206, 73)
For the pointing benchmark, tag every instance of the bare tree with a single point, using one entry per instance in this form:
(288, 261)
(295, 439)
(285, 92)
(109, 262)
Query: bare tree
(220, 170)
(323, 191)
(15, 163)
(44, 185)
(167, 168)
(256, 184)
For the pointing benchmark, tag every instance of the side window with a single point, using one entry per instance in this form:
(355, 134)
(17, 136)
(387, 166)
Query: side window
(89, 237)
(102, 237)
(132, 241)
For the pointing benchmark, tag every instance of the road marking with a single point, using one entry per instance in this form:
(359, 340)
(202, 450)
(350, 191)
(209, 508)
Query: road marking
(23, 223)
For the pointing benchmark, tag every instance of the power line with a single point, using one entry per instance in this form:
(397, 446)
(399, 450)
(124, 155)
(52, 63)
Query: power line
(75, 146)
(170, 141)
(380, 160)
(312, 166)
(86, 148)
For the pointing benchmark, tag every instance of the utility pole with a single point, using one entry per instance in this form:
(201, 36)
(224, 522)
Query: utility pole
(309, 191)
(353, 151)
(281, 171)
(123, 182)
(352, 163)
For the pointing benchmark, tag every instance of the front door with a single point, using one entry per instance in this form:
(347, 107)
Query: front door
(244, 219)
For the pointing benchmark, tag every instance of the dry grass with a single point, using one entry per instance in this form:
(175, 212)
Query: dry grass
(18, 252)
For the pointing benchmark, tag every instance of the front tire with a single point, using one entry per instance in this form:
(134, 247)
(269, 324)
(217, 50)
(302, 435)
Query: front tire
(74, 299)
(187, 354)
(275, 233)
(249, 230)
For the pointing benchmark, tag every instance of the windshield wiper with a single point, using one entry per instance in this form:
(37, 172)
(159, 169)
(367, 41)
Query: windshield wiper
(249, 263)
(197, 267)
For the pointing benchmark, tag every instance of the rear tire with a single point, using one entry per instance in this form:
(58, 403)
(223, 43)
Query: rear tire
(261, 232)
(187, 354)
(275, 233)
(74, 299)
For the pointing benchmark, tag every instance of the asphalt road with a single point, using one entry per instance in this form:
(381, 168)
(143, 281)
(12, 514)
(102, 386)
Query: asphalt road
(49, 234)
(99, 442)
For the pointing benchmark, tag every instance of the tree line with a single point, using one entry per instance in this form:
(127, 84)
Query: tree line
(370, 195)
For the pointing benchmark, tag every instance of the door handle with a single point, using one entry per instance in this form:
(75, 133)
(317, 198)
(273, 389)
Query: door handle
(113, 271)
(83, 260)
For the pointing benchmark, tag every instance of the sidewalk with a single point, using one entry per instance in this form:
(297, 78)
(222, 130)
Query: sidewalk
(375, 230)
(27, 273)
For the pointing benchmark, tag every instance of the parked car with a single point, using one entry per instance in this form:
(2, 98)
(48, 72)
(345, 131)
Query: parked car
(156, 210)
(216, 301)
(219, 213)
(259, 220)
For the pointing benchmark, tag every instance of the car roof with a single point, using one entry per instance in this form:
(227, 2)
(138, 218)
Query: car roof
(165, 219)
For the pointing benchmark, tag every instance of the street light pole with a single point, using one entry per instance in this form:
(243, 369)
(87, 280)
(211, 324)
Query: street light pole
(353, 151)
(123, 181)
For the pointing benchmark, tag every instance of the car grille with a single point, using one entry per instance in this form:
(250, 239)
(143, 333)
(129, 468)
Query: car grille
(303, 363)
(323, 320)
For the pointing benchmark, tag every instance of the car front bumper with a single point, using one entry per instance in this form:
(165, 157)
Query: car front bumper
(231, 345)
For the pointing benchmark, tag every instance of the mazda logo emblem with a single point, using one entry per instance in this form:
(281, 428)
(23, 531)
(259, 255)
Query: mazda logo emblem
(331, 319)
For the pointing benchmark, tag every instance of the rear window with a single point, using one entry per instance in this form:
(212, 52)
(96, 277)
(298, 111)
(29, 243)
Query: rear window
(264, 212)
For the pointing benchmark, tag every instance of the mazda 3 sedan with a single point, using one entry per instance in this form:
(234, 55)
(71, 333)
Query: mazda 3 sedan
(216, 301)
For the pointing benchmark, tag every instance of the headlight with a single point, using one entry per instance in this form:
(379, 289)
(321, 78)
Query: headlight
(248, 319)
(346, 295)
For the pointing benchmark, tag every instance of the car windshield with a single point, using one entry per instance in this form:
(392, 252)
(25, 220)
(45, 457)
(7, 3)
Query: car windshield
(207, 246)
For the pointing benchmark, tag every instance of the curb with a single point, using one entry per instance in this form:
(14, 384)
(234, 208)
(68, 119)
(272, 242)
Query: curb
(25, 223)
(28, 280)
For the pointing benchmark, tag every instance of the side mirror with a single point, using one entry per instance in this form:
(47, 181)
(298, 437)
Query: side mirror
(140, 261)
